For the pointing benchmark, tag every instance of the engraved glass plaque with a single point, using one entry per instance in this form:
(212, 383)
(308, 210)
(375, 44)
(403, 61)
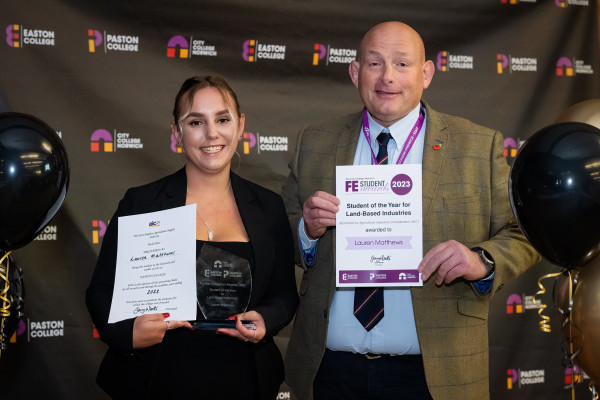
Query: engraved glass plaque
(224, 285)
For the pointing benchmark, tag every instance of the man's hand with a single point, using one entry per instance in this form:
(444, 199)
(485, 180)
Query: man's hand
(451, 260)
(319, 213)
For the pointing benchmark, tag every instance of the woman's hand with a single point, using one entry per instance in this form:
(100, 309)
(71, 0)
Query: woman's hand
(150, 329)
(243, 333)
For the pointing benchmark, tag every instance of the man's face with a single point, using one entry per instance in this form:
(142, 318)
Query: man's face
(391, 72)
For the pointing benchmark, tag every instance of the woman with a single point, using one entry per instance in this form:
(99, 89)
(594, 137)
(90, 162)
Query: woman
(153, 357)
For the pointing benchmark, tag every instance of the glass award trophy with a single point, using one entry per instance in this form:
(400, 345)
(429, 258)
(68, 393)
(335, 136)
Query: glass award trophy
(224, 285)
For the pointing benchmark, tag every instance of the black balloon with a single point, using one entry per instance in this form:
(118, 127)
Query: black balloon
(555, 192)
(34, 176)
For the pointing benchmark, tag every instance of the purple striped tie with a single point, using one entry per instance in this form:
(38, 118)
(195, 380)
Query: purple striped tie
(368, 301)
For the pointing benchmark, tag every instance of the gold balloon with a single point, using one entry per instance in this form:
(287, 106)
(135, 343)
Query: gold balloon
(580, 316)
(587, 111)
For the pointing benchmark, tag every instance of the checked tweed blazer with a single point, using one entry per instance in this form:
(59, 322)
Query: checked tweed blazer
(465, 198)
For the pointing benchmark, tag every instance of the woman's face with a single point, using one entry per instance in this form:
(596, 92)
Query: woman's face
(209, 133)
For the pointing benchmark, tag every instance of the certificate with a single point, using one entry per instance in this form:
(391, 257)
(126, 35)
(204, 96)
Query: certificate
(379, 227)
(156, 265)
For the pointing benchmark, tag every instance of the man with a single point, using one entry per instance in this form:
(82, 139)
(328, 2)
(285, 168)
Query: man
(432, 341)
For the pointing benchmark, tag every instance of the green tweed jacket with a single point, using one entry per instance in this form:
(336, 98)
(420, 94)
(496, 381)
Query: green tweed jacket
(465, 198)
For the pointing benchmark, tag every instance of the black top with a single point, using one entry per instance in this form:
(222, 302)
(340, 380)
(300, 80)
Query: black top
(205, 364)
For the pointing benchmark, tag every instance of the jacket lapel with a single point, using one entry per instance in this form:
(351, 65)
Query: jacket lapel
(253, 220)
(175, 191)
(433, 156)
(348, 141)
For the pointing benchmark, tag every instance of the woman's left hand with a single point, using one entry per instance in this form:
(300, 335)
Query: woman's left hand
(242, 332)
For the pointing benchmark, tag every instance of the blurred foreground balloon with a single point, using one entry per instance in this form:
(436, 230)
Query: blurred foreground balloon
(587, 111)
(34, 176)
(554, 190)
(577, 297)
(12, 297)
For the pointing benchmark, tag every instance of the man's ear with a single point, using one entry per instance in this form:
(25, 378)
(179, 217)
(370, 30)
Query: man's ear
(428, 71)
(353, 71)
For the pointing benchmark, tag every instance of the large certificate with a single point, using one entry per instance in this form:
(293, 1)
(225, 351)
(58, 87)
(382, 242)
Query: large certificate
(379, 227)
(156, 265)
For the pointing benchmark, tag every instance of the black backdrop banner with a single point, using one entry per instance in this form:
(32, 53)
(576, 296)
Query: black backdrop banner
(104, 75)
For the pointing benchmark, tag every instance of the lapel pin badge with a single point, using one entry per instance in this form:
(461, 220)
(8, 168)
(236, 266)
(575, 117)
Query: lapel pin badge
(438, 145)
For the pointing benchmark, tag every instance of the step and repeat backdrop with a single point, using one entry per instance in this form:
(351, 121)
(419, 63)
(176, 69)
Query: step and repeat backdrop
(104, 75)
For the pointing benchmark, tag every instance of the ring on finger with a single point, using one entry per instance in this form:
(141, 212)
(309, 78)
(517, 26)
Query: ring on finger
(168, 325)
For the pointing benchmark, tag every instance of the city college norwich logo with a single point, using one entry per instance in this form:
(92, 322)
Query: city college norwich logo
(101, 137)
(332, 55)
(516, 305)
(511, 147)
(179, 47)
(570, 67)
(564, 67)
(103, 141)
(252, 51)
(447, 61)
(17, 36)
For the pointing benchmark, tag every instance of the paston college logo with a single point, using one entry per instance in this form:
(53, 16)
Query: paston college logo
(518, 378)
(515, 64)
(112, 42)
(263, 143)
(248, 141)
(332, 55)
(98, 230)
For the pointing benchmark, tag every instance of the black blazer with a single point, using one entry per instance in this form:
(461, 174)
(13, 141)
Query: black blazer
(274, 293)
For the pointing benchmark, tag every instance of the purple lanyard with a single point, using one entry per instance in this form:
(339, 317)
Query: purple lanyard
(410, 140)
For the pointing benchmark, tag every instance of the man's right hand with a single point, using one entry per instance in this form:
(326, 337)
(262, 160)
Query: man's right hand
(319, 213)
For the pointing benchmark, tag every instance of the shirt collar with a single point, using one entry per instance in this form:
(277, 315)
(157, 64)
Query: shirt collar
(399, 130)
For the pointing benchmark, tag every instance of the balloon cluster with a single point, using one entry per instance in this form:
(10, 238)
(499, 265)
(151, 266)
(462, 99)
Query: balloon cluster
(555, 194)
(34, 176)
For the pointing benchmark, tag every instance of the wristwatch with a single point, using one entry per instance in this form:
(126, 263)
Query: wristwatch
(486, 259)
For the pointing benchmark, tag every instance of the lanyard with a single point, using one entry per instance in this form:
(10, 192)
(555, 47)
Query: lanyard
(410, 140)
